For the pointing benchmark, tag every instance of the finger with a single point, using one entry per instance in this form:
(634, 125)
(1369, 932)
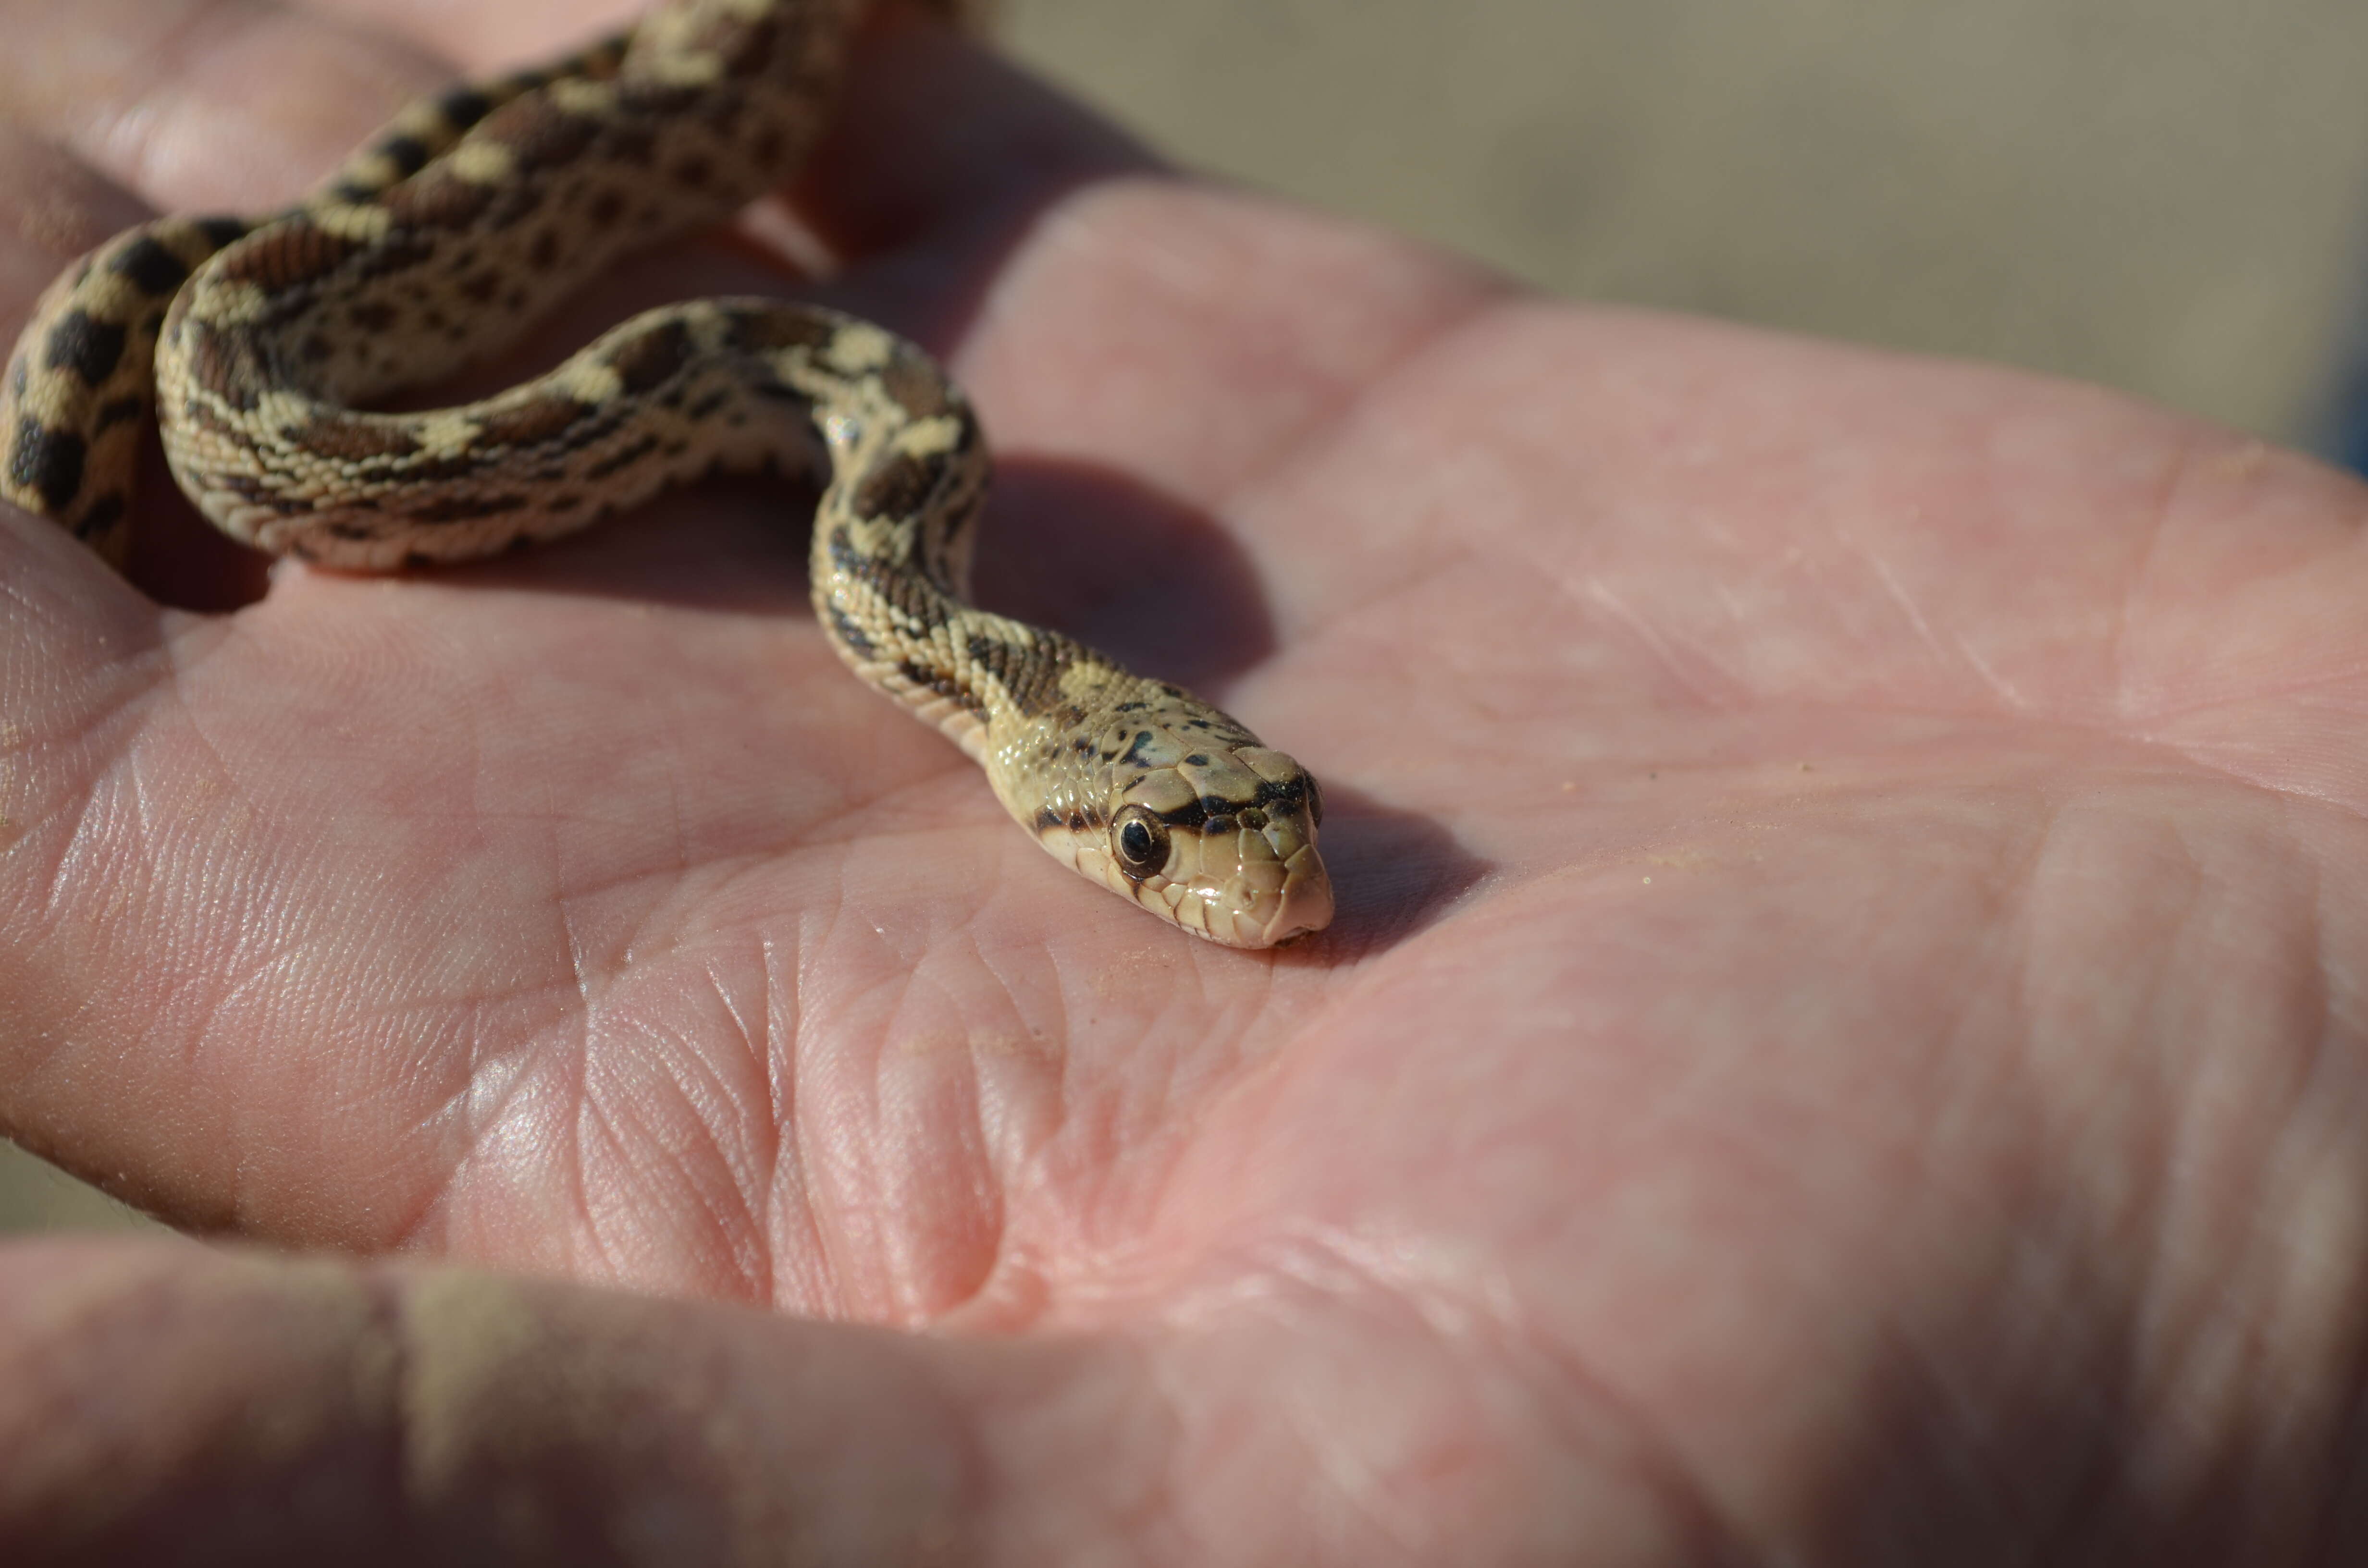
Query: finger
(481, 38)
(160, 1402)
(939, 137)
(936, 134)
(200, 106)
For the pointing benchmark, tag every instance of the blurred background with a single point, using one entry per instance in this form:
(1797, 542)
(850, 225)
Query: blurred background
(2165, 196)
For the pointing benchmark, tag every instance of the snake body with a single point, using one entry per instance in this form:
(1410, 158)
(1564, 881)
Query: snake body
(444, 238)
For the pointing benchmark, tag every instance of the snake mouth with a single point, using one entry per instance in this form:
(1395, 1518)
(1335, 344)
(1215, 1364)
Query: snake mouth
(1305, 906)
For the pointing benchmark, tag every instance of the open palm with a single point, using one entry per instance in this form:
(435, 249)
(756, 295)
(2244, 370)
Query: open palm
(1842, 1042)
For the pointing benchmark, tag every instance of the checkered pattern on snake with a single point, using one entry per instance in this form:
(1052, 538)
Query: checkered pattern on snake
(255, 341)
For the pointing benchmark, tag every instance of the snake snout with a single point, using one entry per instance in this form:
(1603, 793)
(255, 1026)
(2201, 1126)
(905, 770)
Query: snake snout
(1306, 904)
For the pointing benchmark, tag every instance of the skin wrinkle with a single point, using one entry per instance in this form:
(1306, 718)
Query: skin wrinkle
(420, 1227)
(775, 1039)
(725, 1205)
(2153, 1262)
(1967, 1041)
(1714, 1531)
(1656, 642)
(1953, 652)
(595, 1126)
(834, 1201)
(985, 1207)
(2351, 1364)
(890, 1093)
(477, 1122)
(2123, 703)
(743, 1199)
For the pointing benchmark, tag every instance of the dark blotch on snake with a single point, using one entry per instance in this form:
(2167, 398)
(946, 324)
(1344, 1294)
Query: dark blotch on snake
(630, 142)
(772, 329)
(152, 267)
(355, 437)
(47, 462)
(539, 133)
(115, 411)
(623, 457)
(653, 358)
(463, 107)
(102, 515)
(850, 634)
(916, 387)
(437, 199)
(407, 153)
(467, 508)
(221, 232)
(531, 423)
(897, 488)
(295, 251)
(943, 684)
(88, 348)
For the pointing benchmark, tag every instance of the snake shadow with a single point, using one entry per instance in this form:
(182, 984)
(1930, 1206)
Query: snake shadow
(1396, 873)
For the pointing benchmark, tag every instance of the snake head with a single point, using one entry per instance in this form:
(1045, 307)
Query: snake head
(1219, 839)
(1168, 802)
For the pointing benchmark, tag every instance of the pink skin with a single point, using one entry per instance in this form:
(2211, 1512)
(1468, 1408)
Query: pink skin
(1841, 1041)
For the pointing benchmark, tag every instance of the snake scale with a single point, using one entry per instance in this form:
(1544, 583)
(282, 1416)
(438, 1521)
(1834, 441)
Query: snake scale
(257, 343)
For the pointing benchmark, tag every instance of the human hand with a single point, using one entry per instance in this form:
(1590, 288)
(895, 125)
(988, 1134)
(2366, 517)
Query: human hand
(1839, 1042)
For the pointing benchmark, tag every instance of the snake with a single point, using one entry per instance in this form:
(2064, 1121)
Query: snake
(255, 345)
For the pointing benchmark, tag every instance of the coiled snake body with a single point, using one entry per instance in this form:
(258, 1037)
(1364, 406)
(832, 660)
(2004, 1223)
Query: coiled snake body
(444, 238)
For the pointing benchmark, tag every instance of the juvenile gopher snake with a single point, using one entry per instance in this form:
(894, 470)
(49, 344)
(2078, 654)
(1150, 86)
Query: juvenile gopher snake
(448, 235)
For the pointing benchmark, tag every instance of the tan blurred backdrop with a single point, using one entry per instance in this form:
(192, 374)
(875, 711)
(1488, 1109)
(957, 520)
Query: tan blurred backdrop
(2161, 195)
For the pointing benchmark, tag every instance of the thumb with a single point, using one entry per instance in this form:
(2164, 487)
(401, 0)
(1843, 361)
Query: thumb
(163, 1403)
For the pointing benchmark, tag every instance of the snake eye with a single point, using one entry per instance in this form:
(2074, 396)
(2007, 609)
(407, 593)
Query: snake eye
(1140, 840)
(1315, 804)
